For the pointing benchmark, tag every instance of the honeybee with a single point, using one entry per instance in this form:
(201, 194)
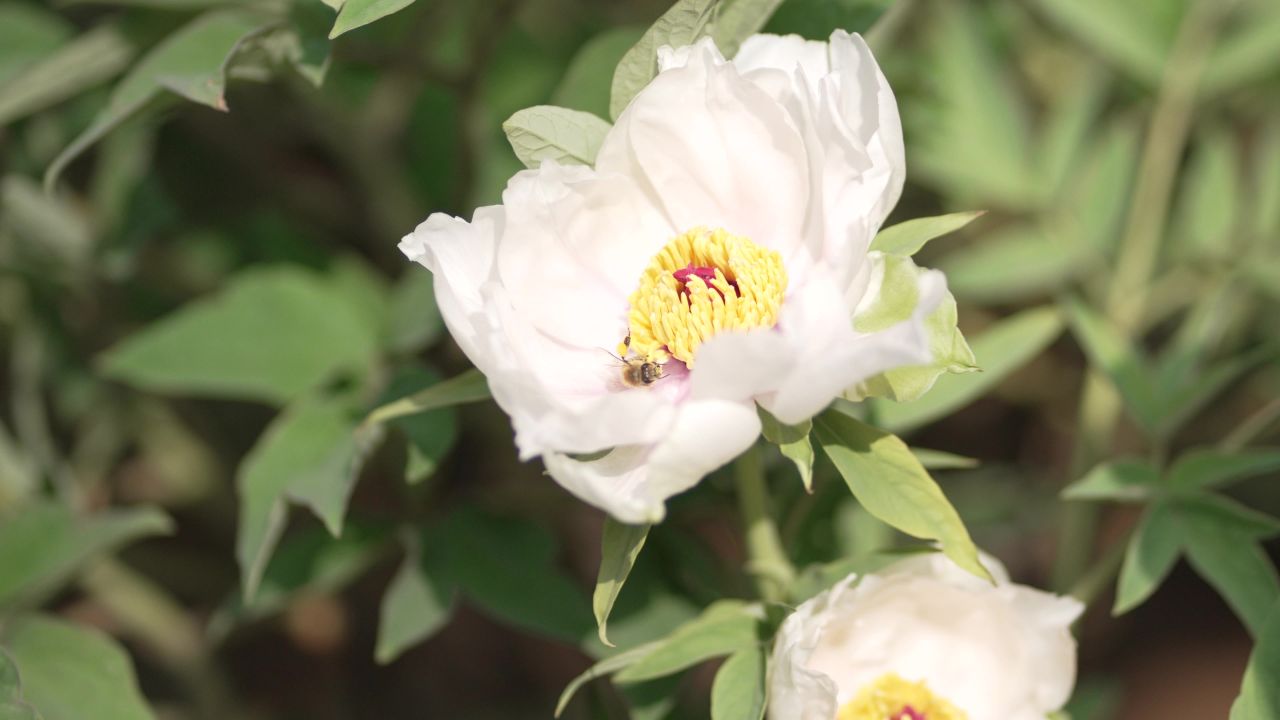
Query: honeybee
(640, 373)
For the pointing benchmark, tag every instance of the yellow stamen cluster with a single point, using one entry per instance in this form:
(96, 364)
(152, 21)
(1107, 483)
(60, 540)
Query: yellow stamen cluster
(669, 318)
(890, 696)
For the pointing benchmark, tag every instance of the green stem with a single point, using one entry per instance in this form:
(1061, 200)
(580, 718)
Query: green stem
(766, 560)
(1139, 250)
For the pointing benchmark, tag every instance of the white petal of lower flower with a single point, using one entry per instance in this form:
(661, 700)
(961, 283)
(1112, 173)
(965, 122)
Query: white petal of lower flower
(923, 632)
(783, 52)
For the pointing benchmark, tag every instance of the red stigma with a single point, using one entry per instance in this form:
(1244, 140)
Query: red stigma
(908, 713)
(706, 274)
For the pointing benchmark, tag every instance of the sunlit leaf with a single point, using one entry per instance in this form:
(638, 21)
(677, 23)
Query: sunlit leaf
(892, 485)
(939, 460)
(589, 78)
(738, 692)
(737, 20)
(792, 441)
(620, 545)
(607, 666)
(681, 25)
(357, 13)
(906, 238)
(546, 132)
(1208, 205)
(467, 387)
(722, 629)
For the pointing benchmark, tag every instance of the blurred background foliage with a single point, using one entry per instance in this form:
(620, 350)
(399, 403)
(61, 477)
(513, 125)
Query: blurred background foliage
(201, 298)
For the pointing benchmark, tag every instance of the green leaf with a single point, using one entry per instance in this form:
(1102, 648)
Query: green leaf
(683, 24)
(607, 666)
(508, 568)
(1230, 559)
(357, 13)
(1259, 692)
(793, 442)
(1014, 263)
(71, 672)
(587, 82)
(1119, 359)
(619, 547)
(906, 238)
(416, 604)
(28, 33)
(431, 435)
(725, 627)
(737, 20)
(1207, 468)
(415, 319)
(546, 132)
(270, 335)
(1120, 480)
(93, 58)
(1150, 555)
(12, 706)
(191, 62)
(308, 455)
(1183, 396)
(1000, 350)
(468, 387)
(1124, 33)
(892, 485)
(42, 544)
(1246, 55)
(1209, 203)
(1225, 511)
(939, 460)
(738, 692)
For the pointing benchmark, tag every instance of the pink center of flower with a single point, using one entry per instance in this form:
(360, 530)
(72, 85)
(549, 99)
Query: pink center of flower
(702, 272)
(908, 713)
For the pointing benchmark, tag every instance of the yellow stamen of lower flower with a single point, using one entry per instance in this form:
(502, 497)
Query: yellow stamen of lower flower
(701, 283)
(890, 697)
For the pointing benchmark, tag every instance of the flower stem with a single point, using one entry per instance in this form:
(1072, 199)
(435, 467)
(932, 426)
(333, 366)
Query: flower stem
(766, 560)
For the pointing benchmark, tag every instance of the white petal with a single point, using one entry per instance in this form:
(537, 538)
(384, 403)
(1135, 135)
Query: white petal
(783, 52)
(715, 151)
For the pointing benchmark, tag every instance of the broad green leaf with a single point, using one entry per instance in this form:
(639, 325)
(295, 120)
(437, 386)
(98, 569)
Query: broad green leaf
(416, 604)
(468, 387)
(906, 238)
(42, 544)
(607, 666)
(620, 545)
(587, 82)
(546, 132)
(1120, 480)
(725, 627)
(738, 692)
(737, 20)
(508, 568)
(939, 460)
(1017, 262)
(1231, 560)
(1224, 511)
(1259, 692)
(357, 13)
(683, 24)
(892, 485)
(191, 62)
(1150, 555)
(308, 455)
(270, 335)
(1124, 33)
(430, 435)
(1118, 358)
(1209, 203)
(1206, 467)
(12, 706)
(305, 43)
(415, 319)
(94, 57)
(792, 441)
(1000, 350)
(71, 672)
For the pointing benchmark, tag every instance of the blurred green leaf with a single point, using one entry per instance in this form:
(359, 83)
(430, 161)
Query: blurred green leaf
(1119, 359)
(607, 666)
(357, 13)
(42, 544)
(589, 79)
(683, 24)
(1225, 511)
(939, 460)
(1230, 559)
(1259, 692)
(725, 627)
(270, 335)
(1246, 53)
(620, 545)
(466, 387)
(28, 33)
(71, 672)
(12, 706)
(1209, 204)
(1149, 556)
(815, 19)
(51, 228)
(738, 692)
(1264, 189)
(906, 238)
(1126, 34)
(507, 567)
(1119, 480)
(792, 441)
(308, 455)
(1000, 350)
(431, 435)
(415, 605)
(415, 319)
(95, 57)
(737, 20)
(1208, 468)
(1014, 263)
(892, 485)
(1071, 116)
(1183, 396)
(1091, 212)
(191, 62)
(546, 132)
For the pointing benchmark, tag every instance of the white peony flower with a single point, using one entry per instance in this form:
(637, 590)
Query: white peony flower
(924, 640)
(719, 249)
